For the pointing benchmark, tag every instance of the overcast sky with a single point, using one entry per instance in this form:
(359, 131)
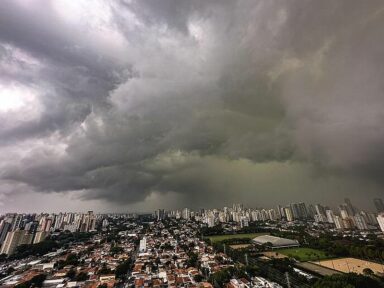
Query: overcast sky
(137, 105)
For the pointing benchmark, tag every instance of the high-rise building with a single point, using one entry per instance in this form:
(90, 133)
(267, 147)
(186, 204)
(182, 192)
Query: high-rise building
(303, 211)
(91, 221)
(16, 222)
(288, 214)
(299, 210)
(59, 221)
(278, 210)
(105, 223)
(371, 219)
(160, 214)
(380, 219)
(330, 216)
(360, 222)
(4, 229)
(186, 214)
(379, 204)
(350, 209)
(344, 211)
(143, 245)
(320, 213)
(320, 218)
(338, 222)
(295, 211)
(244, 222)
(211, 220)
(237, 207)
(311, 211)
(320, 210)
(87, 222)
(32, 227)
(14, 239)
(40, 236)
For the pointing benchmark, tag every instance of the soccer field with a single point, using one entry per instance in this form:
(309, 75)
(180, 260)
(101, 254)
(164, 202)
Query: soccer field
(304, 254)
(218, 238)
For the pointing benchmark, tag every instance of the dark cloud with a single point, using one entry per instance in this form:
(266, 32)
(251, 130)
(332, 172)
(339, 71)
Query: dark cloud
(207, 102)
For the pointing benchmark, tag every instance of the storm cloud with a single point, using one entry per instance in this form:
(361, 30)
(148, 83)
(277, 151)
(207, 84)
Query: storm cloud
(201, 103)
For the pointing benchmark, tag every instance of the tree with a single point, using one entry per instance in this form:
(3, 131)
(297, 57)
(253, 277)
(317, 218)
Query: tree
(198, 278)
(368, 272)
(38, 280)
(10, 270)
(116, 250)
(71, 274)
(122, 269)
(220, 278)
(41, 248)
(3, 257)
(72, 259)
(82, 276)
(192, 260)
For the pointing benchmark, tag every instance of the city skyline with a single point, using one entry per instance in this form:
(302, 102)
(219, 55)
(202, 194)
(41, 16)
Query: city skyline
(377, 208)
(136, 105)
(25, 229)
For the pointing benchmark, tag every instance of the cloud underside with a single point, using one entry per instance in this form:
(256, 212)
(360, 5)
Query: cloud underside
(209, 101)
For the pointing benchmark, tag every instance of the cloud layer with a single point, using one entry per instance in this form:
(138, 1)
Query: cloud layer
(199, 103)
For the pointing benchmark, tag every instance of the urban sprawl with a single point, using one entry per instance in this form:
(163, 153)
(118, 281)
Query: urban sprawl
(296, 245)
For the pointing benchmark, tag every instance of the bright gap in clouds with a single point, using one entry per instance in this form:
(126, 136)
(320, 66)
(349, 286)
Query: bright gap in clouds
(14, 98)
(92, 13)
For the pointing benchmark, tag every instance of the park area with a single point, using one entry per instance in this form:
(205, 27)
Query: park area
(303, 254)
(219, 238)
(347, 265)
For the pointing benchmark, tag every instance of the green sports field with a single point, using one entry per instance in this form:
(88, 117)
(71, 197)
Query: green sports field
(304, 254)
(218, 238)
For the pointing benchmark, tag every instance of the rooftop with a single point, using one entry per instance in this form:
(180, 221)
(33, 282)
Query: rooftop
(275, 241)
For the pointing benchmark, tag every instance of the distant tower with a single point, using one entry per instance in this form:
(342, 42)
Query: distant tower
(303, 210)
(295, 210)
(160, 214)
(186, 214)
(379, 204)
(278, 210)
(380, 219)
(289, 214)
(350, 209)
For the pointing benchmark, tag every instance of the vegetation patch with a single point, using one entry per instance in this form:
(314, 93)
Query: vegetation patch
(304, 254)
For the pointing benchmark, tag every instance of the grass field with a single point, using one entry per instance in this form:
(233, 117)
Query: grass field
(304, 254)
(218, 238)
